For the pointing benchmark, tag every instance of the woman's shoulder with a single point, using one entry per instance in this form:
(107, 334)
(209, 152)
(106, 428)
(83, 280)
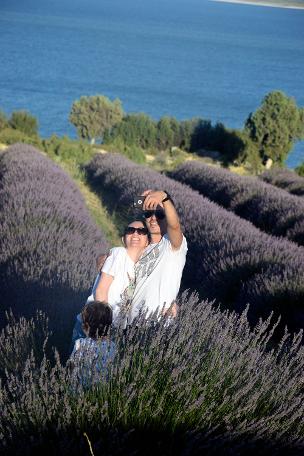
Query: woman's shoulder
(118, 251)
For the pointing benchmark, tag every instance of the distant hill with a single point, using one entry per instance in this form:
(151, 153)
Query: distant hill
(279, 3)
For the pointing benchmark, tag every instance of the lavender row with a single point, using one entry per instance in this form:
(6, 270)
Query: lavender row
(286, 179)
(271, 209)
(206, 385)
(48, 243)
(229, 259)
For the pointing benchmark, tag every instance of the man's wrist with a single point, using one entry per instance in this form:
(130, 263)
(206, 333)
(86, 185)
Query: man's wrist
(167, 197)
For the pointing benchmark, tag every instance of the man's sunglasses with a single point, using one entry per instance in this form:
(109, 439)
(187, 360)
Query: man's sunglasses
(160, 215)
(133, 229)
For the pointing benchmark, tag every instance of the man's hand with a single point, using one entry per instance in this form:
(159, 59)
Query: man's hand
(171, 311)
(153, 199)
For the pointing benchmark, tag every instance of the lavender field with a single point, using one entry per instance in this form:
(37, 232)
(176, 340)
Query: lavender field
(208, 384)
(271, 209)
(229, 259)
(48, 242)
(225, 378)
(286, 179)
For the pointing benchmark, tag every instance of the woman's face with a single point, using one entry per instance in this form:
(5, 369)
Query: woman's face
(138, 238)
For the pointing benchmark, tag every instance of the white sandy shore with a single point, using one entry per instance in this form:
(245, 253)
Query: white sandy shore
(271, 5)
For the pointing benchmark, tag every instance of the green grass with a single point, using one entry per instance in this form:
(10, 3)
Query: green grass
(93, 201)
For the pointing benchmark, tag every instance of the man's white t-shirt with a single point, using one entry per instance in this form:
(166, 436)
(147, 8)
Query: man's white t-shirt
(158, 275)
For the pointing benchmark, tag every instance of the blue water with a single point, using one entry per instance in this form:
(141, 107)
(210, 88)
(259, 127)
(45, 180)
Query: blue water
(183, 58)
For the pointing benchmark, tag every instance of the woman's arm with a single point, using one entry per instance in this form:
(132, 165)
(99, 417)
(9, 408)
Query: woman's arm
(103, 286)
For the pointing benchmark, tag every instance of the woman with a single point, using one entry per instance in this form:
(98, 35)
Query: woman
(117, 281)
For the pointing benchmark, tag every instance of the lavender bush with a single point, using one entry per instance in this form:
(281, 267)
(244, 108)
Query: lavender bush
(19, 339)
(207, 384)
(286, 179)
(48, 242)
(270, 209)
(229, 259)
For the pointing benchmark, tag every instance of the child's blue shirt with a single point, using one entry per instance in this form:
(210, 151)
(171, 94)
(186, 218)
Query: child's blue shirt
(91, 359)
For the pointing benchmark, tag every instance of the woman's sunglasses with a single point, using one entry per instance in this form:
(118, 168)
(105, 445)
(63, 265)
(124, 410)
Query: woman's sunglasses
(160, 215)
(133, 229)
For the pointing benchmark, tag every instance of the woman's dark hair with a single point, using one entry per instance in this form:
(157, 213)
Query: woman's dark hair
(97, 318)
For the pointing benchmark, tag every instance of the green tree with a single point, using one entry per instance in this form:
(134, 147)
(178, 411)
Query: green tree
(275, 126)
(94, 115)
(25, 122)
(165, 133)
(188, 129)
(175, 127)
(134, 130)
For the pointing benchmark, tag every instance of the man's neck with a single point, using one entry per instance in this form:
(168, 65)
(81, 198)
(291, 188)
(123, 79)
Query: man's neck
(155, 238)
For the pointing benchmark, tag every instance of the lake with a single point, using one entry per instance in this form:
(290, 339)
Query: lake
(184, 58)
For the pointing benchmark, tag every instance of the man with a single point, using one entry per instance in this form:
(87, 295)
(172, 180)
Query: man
(158, 272)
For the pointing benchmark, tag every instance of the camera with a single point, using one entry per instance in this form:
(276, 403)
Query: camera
(138, 202)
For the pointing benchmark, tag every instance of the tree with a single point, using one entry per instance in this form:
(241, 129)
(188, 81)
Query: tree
(187, 130)
(94, 115)
(275, 126)
(165, 133)
(25, 122)
(134, 130)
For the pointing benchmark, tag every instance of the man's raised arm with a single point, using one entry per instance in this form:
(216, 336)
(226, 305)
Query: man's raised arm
(155, 198)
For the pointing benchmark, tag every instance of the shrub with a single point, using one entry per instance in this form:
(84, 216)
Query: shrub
(228, 259)
(48, 242)
(206, 384)
(3, 121)
(300, 170)
(10, 136)
(272, 210)
(231, 144)
(286, 179)
(134, 153)
(68, 149)
(25, 122)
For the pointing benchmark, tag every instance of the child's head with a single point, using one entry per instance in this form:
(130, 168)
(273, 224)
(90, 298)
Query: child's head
(97, 318)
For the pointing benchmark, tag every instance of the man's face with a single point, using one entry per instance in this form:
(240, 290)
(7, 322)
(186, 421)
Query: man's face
(156, 221)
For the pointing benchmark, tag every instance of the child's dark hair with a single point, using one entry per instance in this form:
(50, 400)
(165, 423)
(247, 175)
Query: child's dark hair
(97, 318)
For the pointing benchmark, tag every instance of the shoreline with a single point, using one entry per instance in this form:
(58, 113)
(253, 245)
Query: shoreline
(267, 4)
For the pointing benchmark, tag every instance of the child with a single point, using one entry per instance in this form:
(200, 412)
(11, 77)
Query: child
(91, 355)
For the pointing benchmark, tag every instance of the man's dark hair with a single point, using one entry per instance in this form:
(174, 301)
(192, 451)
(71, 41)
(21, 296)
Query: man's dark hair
(97, 318)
